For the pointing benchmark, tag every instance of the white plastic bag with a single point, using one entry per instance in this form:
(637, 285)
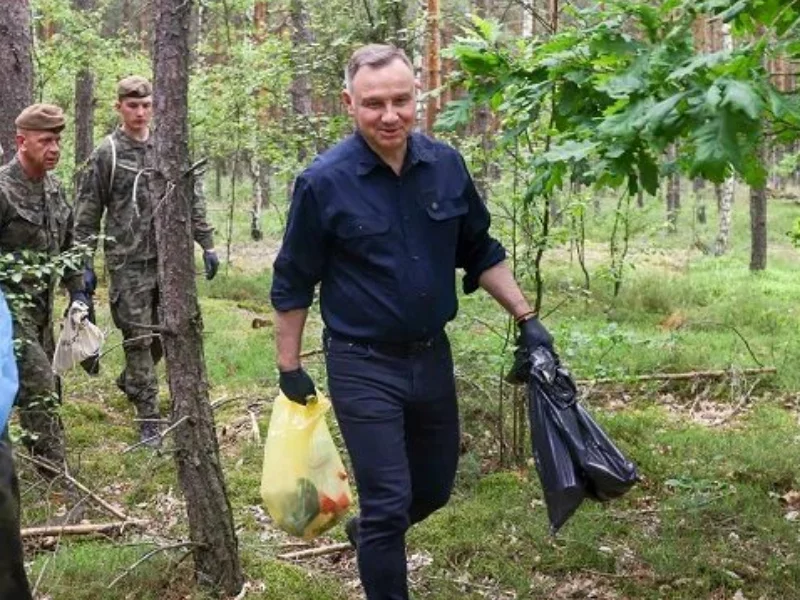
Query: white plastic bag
(79, 339)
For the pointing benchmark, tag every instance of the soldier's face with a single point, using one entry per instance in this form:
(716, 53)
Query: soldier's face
(136, 113)
(382, 102)
(41, 149)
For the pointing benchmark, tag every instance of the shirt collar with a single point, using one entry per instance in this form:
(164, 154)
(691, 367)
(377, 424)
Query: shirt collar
(417, 151)
(16, 170)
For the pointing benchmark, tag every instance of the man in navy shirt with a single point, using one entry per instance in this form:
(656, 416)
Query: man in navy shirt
(382, 221)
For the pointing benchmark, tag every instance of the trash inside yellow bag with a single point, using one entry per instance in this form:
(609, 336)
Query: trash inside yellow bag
(303, 484)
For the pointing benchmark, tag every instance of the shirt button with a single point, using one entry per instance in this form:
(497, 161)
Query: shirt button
(405, 218)
(423, 295)
(435, 206)
(415, 258)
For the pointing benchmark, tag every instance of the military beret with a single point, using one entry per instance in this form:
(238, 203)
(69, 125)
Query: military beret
(134, 87)
(41, 117)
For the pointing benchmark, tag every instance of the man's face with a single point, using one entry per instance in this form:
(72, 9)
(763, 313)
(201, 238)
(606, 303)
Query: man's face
(41, 149)
(382, 102)
(136, 113)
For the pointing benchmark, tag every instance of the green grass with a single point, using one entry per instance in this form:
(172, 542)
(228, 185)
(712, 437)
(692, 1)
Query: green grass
(706, 520)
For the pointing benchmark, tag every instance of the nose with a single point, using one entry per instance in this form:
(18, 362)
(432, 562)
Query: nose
(390, 115)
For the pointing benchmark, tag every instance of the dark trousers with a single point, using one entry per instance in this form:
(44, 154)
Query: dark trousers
(13, 580)
(397, 412)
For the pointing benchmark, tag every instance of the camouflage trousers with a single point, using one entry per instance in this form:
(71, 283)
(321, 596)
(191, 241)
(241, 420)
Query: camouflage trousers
(134, 298)
(13, 580)
(39, 395)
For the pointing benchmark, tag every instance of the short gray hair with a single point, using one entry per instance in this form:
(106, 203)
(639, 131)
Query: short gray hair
(375, 56)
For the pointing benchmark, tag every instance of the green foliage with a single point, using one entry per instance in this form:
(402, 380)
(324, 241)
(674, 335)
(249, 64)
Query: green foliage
(617, 100)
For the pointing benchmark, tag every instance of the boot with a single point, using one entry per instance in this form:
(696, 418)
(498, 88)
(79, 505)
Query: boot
(351, 529)
(149, 434)
(120, 381)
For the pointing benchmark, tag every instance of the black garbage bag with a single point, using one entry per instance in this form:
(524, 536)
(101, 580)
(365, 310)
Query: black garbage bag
(574, 457)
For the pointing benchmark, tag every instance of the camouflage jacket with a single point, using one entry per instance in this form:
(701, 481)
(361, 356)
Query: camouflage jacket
(115, 182)
(35, 225)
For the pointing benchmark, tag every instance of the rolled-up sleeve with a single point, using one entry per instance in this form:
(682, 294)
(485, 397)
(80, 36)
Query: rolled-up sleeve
(300, 261)
(477, 250)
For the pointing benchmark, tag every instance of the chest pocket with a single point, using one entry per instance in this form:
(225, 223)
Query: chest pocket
(363, 237)
(444, 209)
(356, 227)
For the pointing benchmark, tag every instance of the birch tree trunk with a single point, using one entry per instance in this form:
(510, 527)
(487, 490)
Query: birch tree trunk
(729, 186)
(16, 69)
(216, 559)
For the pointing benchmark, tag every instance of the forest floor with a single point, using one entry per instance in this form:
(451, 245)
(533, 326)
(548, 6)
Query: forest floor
(716, 515)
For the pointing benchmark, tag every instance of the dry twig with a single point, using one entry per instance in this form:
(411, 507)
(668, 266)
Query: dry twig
(47, 466)
(152, 552)
(314, 552)
(81, 528)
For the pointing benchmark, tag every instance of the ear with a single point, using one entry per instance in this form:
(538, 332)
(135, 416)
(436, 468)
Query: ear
(347, 99)
(418, 84)
(20, 140)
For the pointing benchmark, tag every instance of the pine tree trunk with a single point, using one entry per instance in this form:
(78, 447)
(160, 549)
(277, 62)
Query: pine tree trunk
(196, 451)
(84, 104)
(433, 64)
(758, 225)
(16, 69)
(300, 89)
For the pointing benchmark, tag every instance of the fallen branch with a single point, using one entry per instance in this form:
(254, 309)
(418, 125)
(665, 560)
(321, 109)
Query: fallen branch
(314, 552)
(308, 353)
(152, 552)
(47, 466)
(81, 528)
(679, 376)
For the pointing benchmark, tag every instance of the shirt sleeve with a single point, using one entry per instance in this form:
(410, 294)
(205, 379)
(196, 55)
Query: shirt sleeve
(300, 261)
(477, 250)
(89, 202)
(202, 232)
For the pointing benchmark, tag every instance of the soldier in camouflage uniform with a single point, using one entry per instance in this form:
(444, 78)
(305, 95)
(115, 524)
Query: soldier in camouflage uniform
(35, 226)
(114, 182)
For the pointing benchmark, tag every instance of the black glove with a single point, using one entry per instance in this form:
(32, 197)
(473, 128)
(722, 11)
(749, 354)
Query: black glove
(89, 281)
(211, 263)
(532, 335)
(297, 386)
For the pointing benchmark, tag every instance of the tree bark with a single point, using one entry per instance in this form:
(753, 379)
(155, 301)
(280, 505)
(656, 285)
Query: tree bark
(261, 174)
(197, 458)
(433, 64)
(300, 89)
(758, 225)
(673, 192)
(725, 200)
(84, 104)
(16, 69)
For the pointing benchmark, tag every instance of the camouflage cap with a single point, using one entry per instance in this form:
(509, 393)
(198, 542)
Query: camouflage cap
(41, 117)
(134, 87)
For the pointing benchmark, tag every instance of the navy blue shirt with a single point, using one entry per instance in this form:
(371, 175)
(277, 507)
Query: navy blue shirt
(384, 247)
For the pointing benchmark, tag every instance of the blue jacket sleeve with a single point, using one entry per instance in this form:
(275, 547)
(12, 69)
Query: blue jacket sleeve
(8, 364)
(477, 250)
(298, 266)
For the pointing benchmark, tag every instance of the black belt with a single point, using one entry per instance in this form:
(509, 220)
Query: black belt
(401, 349)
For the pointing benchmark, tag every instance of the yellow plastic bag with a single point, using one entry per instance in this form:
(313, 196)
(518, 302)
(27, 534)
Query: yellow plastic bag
(303, 483)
